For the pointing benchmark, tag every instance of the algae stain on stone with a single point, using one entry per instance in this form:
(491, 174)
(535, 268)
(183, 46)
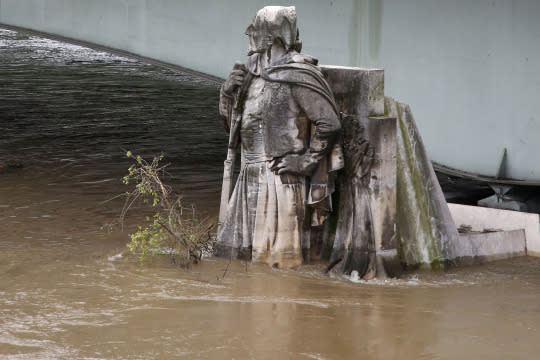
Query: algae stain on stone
(375, 11)
(418, 246)
(365, 28)
(354, 34)
(423, 241)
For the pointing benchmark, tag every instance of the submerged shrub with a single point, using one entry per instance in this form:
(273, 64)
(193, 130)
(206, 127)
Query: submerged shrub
(173, 229)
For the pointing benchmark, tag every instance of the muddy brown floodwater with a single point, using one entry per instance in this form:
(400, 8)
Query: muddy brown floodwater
(67, 115)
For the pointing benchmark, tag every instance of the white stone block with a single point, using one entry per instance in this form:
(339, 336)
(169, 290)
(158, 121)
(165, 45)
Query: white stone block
(488, 246)
(480, 219)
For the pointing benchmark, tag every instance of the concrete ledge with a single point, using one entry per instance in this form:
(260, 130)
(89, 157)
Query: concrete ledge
(479, 219)
(489, 246)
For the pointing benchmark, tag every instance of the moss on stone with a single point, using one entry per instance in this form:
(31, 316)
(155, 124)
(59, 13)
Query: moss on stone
(414, 226)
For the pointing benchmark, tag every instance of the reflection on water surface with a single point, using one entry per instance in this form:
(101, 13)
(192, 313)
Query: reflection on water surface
(67, 115)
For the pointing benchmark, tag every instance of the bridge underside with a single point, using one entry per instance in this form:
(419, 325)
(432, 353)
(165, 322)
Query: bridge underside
(467, 69)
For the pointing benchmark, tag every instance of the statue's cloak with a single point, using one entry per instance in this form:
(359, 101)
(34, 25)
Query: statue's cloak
(301, 70)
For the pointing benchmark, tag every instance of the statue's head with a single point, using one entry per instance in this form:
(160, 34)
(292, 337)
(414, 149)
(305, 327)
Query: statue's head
(273, 23)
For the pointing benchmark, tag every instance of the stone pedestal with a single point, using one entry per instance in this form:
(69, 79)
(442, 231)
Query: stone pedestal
(425, 227)
(391, 212)
(364, 230)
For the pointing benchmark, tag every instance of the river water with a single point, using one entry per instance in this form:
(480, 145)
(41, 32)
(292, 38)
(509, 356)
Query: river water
(68, 114)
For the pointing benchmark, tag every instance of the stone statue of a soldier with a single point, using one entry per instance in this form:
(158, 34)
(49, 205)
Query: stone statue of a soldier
(283, 119)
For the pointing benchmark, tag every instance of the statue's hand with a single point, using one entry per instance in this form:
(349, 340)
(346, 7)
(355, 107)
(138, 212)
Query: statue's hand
(235, 79)
(294, 164)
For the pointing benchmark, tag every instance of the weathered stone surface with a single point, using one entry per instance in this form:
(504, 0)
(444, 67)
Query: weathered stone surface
(425, 227)
(282, 119)
(391, 206)
(285, 117)
(382, 185)
(479, 219)
(358, 90)
(366, 216)
(479, 247)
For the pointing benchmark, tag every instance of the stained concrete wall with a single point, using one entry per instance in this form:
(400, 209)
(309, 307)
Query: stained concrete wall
(473, 248)
(480, 219)
(469, 69)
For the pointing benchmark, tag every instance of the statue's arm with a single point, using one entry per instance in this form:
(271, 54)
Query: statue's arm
(225, 108)
(327, 129)
(229, 91)
(321, 114)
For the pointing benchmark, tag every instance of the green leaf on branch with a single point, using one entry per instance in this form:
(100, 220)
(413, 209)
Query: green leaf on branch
(172, 230)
